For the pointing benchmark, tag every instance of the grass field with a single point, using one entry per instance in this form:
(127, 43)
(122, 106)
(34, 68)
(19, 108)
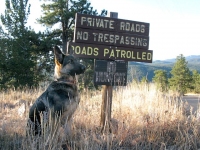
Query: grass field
(143, 119)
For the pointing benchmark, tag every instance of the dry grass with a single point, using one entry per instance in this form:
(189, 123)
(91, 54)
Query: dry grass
(143, 118)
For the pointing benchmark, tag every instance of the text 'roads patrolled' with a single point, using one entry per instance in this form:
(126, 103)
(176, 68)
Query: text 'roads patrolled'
(83, 50)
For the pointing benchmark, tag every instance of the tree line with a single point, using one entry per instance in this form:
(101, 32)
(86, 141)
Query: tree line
(26, 55)
(180, 79)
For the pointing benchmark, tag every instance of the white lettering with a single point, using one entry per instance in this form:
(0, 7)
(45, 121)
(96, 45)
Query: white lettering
(122, 25)
(82, 35)
(85, 35)
(83, 19)
(111, 24)
(127, 26)
(114, 39)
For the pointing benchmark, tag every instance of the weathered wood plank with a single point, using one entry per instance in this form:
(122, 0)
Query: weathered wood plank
(111, 24)
(105, 52)
(111, 38)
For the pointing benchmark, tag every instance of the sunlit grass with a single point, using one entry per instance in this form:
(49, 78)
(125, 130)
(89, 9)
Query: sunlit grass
(143, 118)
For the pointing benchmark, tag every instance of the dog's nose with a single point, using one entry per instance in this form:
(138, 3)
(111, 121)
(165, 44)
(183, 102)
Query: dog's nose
(83, 68)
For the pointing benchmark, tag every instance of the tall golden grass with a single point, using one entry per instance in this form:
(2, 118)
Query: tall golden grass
(143, 118)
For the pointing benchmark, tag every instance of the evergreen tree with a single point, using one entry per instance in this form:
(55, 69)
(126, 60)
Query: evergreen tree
(196, 81)
(62, 13)
(181, 77)
(160, 79)
(16, 60)
(24, 53)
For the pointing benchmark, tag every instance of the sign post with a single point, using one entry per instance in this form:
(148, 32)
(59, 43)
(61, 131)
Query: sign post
(112, 42)
(106, 106)
(107, 90)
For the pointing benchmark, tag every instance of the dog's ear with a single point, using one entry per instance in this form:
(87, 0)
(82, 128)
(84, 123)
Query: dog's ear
(59, 56)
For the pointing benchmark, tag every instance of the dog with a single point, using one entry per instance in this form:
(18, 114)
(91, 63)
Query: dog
(61, 98)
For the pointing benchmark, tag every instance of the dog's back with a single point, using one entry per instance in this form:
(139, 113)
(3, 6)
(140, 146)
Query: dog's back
(61, 98)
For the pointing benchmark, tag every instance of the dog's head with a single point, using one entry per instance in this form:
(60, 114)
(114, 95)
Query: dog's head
(66, 65)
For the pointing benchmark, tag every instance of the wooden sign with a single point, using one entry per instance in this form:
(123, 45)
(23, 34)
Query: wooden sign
(113, 73)
(111, 38)
(111, 24)
(105, 52)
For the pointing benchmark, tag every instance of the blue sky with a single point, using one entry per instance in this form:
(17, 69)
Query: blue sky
(174, 24)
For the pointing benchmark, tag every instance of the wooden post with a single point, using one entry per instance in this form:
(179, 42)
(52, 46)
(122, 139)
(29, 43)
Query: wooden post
(106, 106)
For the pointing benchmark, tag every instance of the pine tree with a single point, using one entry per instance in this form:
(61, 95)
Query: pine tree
(16, 60)
(196, 81)
(160, 79)
(62, 13)
(24, 53)
(181, 77)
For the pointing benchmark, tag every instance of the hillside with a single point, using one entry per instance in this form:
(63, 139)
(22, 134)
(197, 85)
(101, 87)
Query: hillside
(139, 70)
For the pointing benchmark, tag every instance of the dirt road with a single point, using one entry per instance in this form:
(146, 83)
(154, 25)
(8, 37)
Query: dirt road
(193, 100)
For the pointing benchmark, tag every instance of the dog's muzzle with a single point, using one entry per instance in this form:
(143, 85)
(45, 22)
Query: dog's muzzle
(83, 68)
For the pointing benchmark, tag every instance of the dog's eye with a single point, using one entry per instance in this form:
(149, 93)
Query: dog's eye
(70, 61)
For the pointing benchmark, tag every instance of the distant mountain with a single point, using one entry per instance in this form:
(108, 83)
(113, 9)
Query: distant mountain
(191, 58)
(165, 61)
(139, 70)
